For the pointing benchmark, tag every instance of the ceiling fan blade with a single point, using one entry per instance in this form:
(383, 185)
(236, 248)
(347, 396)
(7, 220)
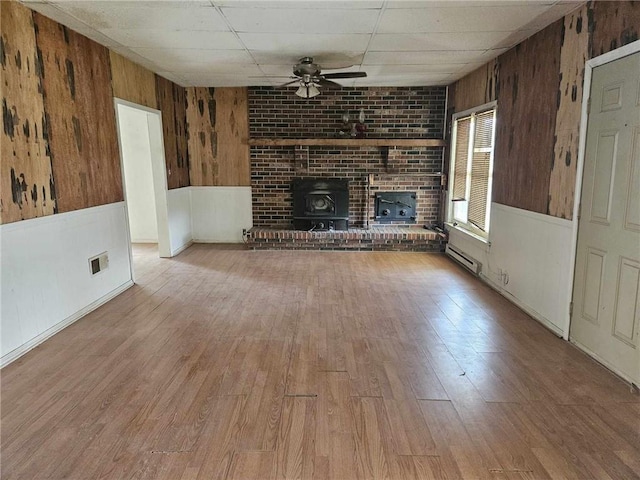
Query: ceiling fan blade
(326, 83)
(345, 75)
(291, 82)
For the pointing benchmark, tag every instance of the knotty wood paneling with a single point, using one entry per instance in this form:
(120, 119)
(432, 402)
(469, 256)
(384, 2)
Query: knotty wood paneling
(201, 136)
(132, 82)
(477, 88)
(572, 61)
(613, 24)
(232, 125)
(26, 176)
(527, 101)
(171, 102)
(81, 118)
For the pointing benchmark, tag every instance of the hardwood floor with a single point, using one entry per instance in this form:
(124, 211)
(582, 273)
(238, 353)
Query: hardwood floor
(224, 363)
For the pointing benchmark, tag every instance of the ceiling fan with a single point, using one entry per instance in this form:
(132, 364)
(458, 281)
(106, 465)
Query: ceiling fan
(309, 75)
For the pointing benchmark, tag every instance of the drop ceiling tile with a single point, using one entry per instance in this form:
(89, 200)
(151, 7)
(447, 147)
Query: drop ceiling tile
(313, 5)
(406, 80)
(449, 68)
(458, 19)
(301, 43)
(170, 15)
(51, 11)
(209, 80)
(436, 41)
(393, 4)
(433, 57)
(224, 69)
(326, 59)
(197, 39)
(286, 70)
(188, 56)
(268, 20)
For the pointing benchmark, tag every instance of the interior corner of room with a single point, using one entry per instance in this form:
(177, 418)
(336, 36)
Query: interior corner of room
(117, 153)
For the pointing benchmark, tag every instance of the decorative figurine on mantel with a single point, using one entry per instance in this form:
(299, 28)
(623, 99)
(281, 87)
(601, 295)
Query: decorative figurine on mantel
(355, 129)
(360, 127)
(345, 128)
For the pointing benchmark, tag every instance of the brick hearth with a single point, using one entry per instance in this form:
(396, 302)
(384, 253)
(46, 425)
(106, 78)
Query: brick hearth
(376, 238)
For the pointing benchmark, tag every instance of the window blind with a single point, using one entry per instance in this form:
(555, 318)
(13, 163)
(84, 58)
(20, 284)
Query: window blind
(480, 168)
(463, 128)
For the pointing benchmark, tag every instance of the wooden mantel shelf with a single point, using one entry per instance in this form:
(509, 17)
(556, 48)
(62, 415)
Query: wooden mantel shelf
(348, 142)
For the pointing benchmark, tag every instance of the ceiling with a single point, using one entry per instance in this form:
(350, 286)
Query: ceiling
(240, 42)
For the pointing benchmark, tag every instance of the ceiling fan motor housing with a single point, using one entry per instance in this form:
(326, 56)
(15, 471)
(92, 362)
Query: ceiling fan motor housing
(306, 66)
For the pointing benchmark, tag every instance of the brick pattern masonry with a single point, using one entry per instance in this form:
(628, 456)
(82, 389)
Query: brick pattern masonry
(387, 238)
(390, 112)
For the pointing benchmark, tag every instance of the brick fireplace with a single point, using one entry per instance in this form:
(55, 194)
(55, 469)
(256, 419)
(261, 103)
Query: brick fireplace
(390, 112)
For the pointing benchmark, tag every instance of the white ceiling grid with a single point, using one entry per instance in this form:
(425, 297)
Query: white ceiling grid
(241, 42)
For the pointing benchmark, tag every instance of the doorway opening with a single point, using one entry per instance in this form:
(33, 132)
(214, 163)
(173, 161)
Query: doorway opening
(144, 176)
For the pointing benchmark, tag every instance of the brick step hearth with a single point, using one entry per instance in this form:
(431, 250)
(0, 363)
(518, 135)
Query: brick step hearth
(376, 238)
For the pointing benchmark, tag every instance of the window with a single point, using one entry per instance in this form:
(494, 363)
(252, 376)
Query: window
(472, 168)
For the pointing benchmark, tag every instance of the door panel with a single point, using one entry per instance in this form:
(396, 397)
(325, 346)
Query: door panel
(611, 96)
(593, 284)
(632, 210)
(603, 178)
(625, 317)
(606, 291)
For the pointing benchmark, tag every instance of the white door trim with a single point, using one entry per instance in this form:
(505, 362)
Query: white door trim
(159, 180)
(621, 52)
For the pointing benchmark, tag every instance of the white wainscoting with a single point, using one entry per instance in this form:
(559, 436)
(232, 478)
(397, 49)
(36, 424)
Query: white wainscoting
(534, 251)
(179, 219)
(218, 214)
(46, 280)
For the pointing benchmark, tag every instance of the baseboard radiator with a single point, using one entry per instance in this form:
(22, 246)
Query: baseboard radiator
(463, 259)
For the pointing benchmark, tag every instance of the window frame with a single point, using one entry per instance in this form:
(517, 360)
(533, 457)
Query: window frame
(451, 218)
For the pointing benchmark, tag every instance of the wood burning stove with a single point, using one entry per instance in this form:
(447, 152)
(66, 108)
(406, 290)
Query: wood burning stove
(396, 207)
(320, 204)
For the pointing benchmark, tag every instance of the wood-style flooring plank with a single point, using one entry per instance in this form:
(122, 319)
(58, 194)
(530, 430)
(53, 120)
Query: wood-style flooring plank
(222, 363)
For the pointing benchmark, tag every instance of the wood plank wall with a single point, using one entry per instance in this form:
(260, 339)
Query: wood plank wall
(201, 136)
(613, 24)
(527, 103)
(132, 82)
(81, 119)
(171, 101)
(477, 88)
(26, 176)
(232, 117)
(59, 141)
(565, 157)
(218, 130)
(591, 30)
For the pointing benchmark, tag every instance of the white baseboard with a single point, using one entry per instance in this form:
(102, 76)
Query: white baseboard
(182, 248)
(528, 310)
(34, 342)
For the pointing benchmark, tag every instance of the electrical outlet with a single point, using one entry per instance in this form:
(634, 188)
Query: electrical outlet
(99, 263)
(244, 232)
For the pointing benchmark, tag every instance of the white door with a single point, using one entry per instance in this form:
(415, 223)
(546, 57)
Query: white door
(606, 299)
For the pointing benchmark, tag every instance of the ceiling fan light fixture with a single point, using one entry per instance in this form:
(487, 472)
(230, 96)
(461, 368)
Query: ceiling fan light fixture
(307, 90)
